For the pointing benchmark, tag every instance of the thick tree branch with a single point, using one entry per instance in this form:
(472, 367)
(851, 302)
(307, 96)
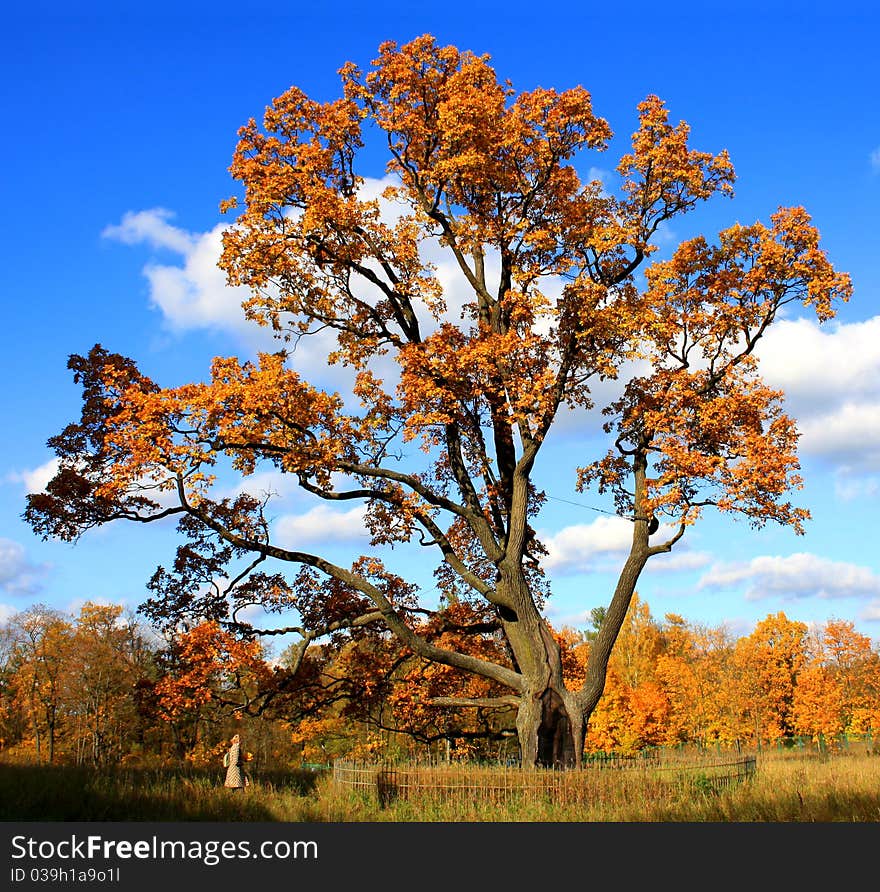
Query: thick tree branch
(390, 615)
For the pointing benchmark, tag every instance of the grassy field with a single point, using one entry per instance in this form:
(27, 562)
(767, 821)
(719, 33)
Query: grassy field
(786, 787)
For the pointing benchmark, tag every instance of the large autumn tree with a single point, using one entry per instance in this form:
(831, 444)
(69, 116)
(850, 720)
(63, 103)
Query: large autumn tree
(562, 294)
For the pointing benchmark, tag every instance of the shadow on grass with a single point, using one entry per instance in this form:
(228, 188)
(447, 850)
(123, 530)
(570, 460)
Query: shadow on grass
(66, 793)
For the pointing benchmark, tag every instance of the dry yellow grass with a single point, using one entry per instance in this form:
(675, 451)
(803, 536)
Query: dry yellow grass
(785, 788)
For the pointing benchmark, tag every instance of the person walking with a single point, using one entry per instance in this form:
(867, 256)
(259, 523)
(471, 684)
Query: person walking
(233, 759)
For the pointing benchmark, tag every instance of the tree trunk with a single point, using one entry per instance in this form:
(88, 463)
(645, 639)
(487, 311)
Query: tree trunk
(51, 734)
(587, 698)
(551, 729)
(549, 722)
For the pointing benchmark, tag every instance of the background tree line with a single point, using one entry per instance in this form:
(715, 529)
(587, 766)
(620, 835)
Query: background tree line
(101, 688)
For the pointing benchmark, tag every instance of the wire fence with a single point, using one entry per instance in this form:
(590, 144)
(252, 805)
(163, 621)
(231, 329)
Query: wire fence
(654, 771)
(388, 782)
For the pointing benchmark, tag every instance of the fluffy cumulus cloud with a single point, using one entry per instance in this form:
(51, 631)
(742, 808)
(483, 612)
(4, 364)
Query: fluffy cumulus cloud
(320, 525)
(18, 574)
(577, 547)
(603, 543)
(35, 479)
(817, 364)
(192, 293)
(848, 437)
(831, 378)
(152, 227)
(801, 575)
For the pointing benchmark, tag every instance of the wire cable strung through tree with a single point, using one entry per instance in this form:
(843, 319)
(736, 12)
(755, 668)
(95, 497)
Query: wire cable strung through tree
(588, 507)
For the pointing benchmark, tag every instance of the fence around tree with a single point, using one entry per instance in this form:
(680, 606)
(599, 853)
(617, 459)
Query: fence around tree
(388, 782)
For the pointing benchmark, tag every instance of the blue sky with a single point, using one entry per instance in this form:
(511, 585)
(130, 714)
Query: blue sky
(119, 128)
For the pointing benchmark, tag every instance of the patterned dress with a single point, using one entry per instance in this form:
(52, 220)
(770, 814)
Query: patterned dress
(235, 776)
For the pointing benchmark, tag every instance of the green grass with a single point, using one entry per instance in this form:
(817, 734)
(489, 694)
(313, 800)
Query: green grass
(785, 788)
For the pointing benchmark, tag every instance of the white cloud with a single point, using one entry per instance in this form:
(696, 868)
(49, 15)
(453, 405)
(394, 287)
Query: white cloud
(602, 174)
(191, 295)
(18, 575)
(830, 375)
(35, 479)
(322, 525)
(576, 547)
(272, 483)
(849, 436)
(372, 189)
(875, 159)
(817, 366)
(680, 559)
(152, 227)
(801, 575)
(6, 612)
(584, 547)
(831, 378)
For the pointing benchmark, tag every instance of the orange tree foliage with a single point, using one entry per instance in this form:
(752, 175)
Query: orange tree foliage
(372, 696)
(767, 666)
(562, 292)
(392, 695)
(855, 667)
(209, 664)
(693, 669)
(41, 639)
(73, 683)
(657, 685)
(474, 708)
(818, 703)
(839, 690)
(106, 658)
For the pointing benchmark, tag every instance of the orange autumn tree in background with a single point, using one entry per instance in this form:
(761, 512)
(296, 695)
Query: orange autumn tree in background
(69, 685)
(561, 294)
(40, 642)
(767, 663)
(107, 656)
(206, 674)
(208, 665)
(838, 690)
(694, 670)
